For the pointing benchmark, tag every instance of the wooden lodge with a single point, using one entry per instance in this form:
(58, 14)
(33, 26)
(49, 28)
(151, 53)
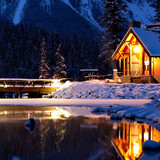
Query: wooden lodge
(139, 55)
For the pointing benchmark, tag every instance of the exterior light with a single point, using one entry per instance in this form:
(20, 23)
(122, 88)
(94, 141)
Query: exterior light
(5, 112)
(137, 49)
(146, 63)
(56, 83)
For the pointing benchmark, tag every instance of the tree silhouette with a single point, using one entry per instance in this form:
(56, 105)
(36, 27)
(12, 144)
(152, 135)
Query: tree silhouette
(60, 66)
(43, 64)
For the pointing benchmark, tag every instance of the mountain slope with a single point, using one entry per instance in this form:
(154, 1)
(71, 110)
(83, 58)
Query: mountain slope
(69, 16)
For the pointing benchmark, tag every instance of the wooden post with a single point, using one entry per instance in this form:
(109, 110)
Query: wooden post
(128, 66)
(149, 134)
(4, 83)
(153, 66)
(43, 84)
(131, 60)
(142, 134)
(33, 84)
(120, 65)
(150, 66)
(115, 75)
(124, 131)
(21, 95)
(124, 66)
(143, 66)
(16, 95)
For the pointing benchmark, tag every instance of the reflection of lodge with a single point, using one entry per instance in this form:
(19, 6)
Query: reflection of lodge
(130, 138)
(139, 56)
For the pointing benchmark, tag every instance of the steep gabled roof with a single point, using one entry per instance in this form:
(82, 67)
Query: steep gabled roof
(148, 39)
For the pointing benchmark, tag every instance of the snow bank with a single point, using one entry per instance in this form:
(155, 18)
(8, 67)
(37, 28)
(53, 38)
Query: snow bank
(151, 145)
(96, 89)
(148, 111)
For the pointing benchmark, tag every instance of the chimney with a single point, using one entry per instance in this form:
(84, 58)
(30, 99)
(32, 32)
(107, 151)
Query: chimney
(135, 24)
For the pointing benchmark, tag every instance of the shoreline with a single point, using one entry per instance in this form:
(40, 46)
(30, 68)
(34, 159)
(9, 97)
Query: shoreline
(40, 102)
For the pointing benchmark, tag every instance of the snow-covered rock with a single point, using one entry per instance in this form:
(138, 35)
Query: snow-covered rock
(148, 145)
(130, 115)
(99, 110)
(30, 125)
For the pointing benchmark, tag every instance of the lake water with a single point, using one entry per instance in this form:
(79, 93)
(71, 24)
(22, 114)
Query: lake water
(75, 138)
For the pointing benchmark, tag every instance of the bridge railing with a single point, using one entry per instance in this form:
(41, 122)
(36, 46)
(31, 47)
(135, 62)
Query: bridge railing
(18, 82)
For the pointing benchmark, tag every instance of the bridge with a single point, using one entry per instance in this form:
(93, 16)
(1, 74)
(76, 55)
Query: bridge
(15, 87)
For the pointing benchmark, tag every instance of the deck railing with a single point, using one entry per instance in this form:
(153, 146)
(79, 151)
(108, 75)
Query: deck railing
(17, 82)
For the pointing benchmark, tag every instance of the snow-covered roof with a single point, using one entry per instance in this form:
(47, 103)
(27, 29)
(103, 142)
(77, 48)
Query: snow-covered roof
(150, 40)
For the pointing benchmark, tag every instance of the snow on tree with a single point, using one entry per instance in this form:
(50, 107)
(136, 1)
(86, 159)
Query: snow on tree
(43, 63)
(60, 66)
(157, 10)
(114, 22)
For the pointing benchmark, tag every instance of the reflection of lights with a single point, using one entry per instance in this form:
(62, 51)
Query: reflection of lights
(29, 116)
(5, 86)
(137, 49)
(135, 148)
(59, 113)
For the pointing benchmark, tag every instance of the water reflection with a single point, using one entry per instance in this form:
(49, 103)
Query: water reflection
(78, 138)
(130, 137)
(37, 112)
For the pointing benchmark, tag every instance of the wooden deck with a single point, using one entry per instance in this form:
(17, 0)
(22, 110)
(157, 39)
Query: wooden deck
(31, 86)
(140, 79)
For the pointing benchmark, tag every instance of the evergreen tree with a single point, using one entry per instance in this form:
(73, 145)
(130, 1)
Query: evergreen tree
(43, 64)
(114, 22)
(157, 10)
(60, 66)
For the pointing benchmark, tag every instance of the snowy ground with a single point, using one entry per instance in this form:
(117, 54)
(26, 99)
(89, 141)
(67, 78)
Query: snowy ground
(129, 101)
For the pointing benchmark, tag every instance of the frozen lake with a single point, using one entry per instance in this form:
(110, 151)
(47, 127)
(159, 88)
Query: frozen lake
(59, 137)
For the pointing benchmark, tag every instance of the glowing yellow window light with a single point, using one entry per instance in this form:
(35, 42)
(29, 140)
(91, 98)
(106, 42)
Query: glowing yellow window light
(146, 137)
(137, 49)
(136, 149)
